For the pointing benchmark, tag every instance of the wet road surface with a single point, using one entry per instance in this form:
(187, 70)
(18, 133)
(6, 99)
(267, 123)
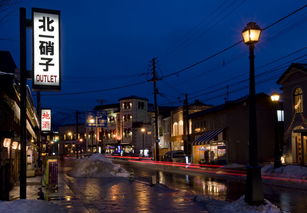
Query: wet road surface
(116, 194)
(288, 199)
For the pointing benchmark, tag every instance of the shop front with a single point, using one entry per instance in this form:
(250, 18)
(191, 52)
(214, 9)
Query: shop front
(209, 147)
(299, 146)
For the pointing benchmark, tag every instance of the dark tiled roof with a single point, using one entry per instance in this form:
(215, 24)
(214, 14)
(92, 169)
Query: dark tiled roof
(7, 63)
(224, 106)
(299, 66)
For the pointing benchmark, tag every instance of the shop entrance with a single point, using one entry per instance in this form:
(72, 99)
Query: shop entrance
(300, 144)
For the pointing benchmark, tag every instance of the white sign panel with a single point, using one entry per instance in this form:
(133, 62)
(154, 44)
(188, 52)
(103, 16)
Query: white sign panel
(46, 120)
(46, 50)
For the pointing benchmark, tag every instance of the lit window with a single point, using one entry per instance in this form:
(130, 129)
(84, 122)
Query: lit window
(175, 129)
(127, 105)
(280, 115)
(298, 100)
(180, 130)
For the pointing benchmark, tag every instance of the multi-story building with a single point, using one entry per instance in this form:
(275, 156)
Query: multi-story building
(294, 88)
(178, 121)
(128, 128)
(164, 124)
(10, 124)
(135, 125)
(108, 136)
(69, 141)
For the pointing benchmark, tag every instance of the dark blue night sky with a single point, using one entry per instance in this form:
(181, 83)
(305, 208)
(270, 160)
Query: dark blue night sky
(107, 44)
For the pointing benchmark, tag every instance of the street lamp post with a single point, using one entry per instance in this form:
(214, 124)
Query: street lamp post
(254, 191)
(277, 123)
(91, 122)
(143, 144)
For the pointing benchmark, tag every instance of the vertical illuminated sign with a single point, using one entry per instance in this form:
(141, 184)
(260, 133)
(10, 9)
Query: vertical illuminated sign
(46, 120)
(46, 50)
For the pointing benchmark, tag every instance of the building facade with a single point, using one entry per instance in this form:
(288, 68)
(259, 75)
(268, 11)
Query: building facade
(128, 129)
(221, 133)
(294, 90)
(10, 125)
(178, 120)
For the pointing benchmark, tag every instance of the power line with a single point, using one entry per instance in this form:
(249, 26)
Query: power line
(229, 47)
(236, 83)
(211, 24)
(98, 90)
(285, 17)
(181, 70)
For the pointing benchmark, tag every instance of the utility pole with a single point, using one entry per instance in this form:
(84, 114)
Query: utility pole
(77, 133)
(186, 131)
(155, 90)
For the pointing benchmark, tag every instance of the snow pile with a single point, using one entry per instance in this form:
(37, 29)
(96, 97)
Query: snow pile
(289, 171)
(26, 206)
(97, 166)
(238, 206)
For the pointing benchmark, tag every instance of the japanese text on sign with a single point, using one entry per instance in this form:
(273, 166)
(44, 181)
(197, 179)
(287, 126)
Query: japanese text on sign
(46, 120)
(46, 47)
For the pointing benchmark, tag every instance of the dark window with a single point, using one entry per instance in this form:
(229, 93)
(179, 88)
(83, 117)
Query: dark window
(141, 105)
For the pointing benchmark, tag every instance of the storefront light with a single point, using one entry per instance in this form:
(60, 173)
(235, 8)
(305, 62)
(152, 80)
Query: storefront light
(15, 145)
(7, 142)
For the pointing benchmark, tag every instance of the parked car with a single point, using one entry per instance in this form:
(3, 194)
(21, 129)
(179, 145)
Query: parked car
(175, 156)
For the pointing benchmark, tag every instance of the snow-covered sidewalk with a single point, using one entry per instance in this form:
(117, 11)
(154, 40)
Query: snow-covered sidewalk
(27, 206)
(289, 171)
(238, 206)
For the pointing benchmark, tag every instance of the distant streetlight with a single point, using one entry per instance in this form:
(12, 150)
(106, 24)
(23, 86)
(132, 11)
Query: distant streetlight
(254, 192)
(143, 130)
(278, 123)
(91, 122)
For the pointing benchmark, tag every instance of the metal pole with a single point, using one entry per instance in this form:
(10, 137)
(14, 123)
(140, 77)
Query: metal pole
(154, 79)
(143, 144)
(187, 147)
(254, 192)
(77, 133)
(92, 146)
(277, 152)
(96, 138)
(39, 142)
(23, 104)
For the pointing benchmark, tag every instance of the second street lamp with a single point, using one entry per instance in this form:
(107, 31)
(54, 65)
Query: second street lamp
(143, 142)
(278, 134)
(254, 192)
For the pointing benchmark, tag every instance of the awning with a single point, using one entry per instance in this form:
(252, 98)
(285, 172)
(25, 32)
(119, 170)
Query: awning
(207, 136)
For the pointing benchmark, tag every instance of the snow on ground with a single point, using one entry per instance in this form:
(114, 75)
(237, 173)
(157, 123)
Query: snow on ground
(238, 206)
(97, 165)
(26, 206)
(289, 171)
